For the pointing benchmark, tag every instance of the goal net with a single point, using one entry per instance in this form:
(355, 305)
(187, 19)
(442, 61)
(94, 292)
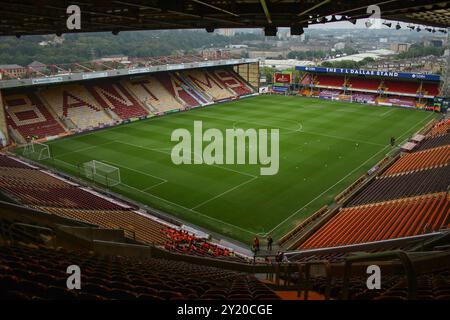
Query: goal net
(37, 151)
(101, 172)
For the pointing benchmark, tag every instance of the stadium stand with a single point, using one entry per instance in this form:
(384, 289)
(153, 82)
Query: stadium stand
(430, 287)
(74, 102)
(200, 96)
(307, 79)
(397, 101)
(364, 97)
(204, 82)
(63, 109)
(183, 242)
(404, 185)
(114, 96)
(27, 114)
(402, 87)
(409, 198)
(364, 84)
(434, 142)
(440, 128)
(173, 86)
(329, 93)
(382, 221)
(39, 190)
(135, 225)
(430, 89)
(330, 81)
(232, 81)
(29, 273)
(152, 94)
(420, 160)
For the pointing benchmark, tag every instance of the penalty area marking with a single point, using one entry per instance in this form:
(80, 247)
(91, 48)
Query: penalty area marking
(140, 172)
(188, 209)
(144, 191)
(83, 149)
(161, 150)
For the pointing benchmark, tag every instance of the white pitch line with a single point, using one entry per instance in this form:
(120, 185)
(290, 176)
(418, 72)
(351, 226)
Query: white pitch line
(342, 138)
(191, 210)
(387, 112)
(320, 195)
(300, 130)
(224, 193)
(83, 149)
(135, 170)
(160, 150)
(154, 186)
(292, 215)
(67, 163)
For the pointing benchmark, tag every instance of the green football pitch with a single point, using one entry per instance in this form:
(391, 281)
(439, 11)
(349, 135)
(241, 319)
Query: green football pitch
(324, 147)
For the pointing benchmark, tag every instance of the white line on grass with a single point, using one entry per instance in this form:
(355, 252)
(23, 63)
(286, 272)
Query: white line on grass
(188, 209)
(181, 206)
(387, 112)
(342, 138)
(67, 163)
(135, 170)
(160, 150)
(83, 149)
(297, 211)
(298, 130)
(225, 192)
(154, 186)
(320, 195)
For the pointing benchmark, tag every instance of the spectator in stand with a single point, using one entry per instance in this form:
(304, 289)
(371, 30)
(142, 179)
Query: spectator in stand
(179, 240)
(269, 243)
(280, 257)
(256, 245)
(277, 257)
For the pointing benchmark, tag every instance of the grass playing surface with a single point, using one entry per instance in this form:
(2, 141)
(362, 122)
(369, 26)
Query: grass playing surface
(324, 147)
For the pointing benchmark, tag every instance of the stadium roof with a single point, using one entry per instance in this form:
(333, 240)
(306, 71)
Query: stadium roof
(49, 16)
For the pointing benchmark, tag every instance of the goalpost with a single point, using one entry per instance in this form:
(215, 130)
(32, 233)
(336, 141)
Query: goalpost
(37, 151)
(101, 172)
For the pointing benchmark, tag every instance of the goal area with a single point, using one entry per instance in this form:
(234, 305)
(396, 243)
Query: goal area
(36, 151)
(100, 172)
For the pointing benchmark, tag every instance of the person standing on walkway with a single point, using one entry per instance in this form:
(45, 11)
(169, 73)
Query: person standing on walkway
(269, 243)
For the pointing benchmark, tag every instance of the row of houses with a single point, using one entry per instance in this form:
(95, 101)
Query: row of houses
(18, 71)
(15, 71)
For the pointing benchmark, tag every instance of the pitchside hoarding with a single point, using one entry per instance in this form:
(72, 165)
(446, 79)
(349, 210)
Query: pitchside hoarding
(282, 79)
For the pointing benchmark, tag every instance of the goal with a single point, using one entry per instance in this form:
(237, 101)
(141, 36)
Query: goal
(37, 151)
(101, 172)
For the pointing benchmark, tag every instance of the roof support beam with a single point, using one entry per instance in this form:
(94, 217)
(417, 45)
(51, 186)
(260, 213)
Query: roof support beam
(216, 8)
(314, 7)
(266, 11)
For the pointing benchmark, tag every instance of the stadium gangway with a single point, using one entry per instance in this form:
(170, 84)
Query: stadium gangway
(304, 271)
(19, 225)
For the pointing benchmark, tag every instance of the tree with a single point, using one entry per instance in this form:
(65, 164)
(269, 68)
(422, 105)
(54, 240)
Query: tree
(419, 50)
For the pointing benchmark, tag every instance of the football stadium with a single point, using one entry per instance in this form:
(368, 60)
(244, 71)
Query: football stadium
(185, 177)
